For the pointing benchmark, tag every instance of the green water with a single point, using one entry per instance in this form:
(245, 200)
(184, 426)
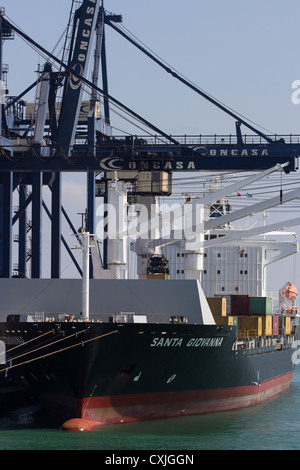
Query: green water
(272, 425)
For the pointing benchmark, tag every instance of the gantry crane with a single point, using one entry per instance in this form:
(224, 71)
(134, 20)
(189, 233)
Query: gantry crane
(39, 161)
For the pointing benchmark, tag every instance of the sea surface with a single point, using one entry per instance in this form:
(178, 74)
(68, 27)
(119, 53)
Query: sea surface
(273, 425)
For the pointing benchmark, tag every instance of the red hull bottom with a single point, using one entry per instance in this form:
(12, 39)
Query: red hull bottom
(97, 411)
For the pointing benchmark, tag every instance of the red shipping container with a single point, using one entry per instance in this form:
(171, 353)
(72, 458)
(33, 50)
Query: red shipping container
(239, 305)
(275, 324)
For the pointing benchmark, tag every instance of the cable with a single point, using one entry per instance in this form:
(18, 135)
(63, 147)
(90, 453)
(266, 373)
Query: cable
(186, 78)
(190, 84)
(47, 54)
(58, 351)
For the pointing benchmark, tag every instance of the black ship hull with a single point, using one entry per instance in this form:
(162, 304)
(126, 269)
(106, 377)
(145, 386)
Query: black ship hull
(107, 373)
(14, 395)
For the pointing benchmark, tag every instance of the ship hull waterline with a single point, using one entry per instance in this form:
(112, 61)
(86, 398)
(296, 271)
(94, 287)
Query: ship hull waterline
(103, 373)
(100, 411)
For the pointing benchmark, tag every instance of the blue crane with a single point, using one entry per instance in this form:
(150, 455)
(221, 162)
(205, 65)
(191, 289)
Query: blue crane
(102, 152)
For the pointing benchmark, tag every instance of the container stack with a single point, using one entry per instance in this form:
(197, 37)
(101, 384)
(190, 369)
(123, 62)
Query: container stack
(253, 316)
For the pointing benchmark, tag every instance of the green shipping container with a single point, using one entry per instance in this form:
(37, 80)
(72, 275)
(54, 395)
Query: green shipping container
(260, 306)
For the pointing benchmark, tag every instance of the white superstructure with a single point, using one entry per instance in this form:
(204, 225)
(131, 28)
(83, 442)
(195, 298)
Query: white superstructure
(235, 268)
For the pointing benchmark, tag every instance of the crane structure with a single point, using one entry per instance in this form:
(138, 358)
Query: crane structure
(68, 136)
(193, 228)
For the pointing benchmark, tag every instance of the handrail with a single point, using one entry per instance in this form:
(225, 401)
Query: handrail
(213, 139)
(157, 140)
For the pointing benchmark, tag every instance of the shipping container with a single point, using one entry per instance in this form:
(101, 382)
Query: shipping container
(158, 276)
(217, 305)
(228, 303)
(154, 182)
(275, 325)
(233, 321)
(221, 320)
(267, 325)
(250, 325)
(239, 305)
(288, 325)
(260, 306)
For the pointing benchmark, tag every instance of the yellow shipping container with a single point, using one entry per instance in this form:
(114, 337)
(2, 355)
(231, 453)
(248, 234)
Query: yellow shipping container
(217, 305)
(158, 276)
(287, 325)
(250, 325)
(268, 325)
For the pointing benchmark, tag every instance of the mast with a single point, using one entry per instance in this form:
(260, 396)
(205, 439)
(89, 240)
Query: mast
(85, 276)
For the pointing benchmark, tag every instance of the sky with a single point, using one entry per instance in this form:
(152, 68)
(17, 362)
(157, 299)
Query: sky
(245, 54)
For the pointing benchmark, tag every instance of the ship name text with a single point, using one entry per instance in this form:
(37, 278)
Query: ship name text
(193, 342)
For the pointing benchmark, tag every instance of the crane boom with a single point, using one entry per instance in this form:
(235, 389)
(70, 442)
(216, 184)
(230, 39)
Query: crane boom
(78, 63)
(245, 234)
(259, 207)
(209, 199)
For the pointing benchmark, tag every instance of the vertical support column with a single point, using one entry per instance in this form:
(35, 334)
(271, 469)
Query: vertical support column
(105, 232)
(91, 177)
(194, 239)
(91, 202)
(2, 202)
(56, 227)
(92, 127)
(22, 232)
(117, 245)
(1, 74)
(85, 275)
(7, 190)
(36, 240)
(1, 228)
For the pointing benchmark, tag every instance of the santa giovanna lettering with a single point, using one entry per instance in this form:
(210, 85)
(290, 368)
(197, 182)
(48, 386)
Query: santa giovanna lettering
(193, 342)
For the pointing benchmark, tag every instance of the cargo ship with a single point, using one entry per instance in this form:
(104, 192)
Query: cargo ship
(115, 349)
(112, 350)
(90, 374)
(114, 368)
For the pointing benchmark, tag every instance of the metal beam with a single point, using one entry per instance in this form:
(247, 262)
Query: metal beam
(33, 164)
(36, 239)
(64, 241)
(245, 234)
(6, 213)
(71, 102)
(56, 227)
(24, 203)
(253, 209)
(22, 231)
